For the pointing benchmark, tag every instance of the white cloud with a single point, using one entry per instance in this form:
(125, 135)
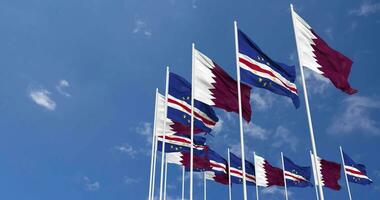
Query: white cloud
(256, 131)
(194, 4)
(329, 32)
(129, 180)
(91, 185)
(366, 8)
(218, 127)
(141, 27)
(145, 129)
(127, 149)
(262, 100)
(315, 83)
(62, 84)
(356, 116)
(41, 97)
(282, 137)
(275, 191)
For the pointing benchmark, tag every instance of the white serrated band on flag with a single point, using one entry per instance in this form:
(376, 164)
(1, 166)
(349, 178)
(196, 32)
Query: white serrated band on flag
(352, 171)
(318, 170)
(261, 178)
(160, 118)
(304, 38)
(204, 78)
(210, 175)
(174, 158)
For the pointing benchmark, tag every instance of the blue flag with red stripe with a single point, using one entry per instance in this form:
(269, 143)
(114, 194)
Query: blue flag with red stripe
(236, 171)
(178, 142)
(296, 176)
(356, 173)
(259, 70)
(179, 107)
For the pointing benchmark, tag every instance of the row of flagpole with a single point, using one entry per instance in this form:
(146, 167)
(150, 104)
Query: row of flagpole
(163, 172)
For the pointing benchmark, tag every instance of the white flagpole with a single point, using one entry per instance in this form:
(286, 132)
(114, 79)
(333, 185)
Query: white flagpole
(166, 177)
(152, 160)
(315, 176)
(164, 133)
(204, 186)
(192, 121)
(283, 171)
(229, 175)
(240, 111)
(257, 187)
(345, 173)
(183, 182)
(314, 148)
(154, 166)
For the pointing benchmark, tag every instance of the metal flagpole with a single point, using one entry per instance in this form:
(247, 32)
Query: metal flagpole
(315, 176)
(240, 111)
(152, 160)
(164, 133)
(229, 175)
(166, 177)
(345, 173)
(204, 186)
(154, 166)
(257, 187)
(192, 121)
(183, 182)
(314, 148)
(283, 171)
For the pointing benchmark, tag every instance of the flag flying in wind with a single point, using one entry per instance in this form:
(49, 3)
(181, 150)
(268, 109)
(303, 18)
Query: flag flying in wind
(259, 70)
(219, 168)
(296, 176)
(266, 174)
(177, 143)
(201, 162)
(179, 107)
(317, 55)
(329, 172)
(215, 87)
(237, 172)
(356, 172)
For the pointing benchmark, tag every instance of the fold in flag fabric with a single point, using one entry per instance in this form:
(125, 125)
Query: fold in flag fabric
(179, 107)
(176, 143)
(318, 56)
(266, 174)
(215, 87)
(329, 172)
(356, 172)
(259, 70)
(296, 176)
(236, 171)
(200, 159)
(160, 118)
(218, 168)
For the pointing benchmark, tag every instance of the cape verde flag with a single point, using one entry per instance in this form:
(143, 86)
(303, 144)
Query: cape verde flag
(356, 172)
(176, 143)
(296, 176)
(179, 107)
(258, 69)
(236, 171)
(218, 168)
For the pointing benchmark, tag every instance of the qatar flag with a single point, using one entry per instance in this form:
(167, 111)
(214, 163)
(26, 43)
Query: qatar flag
(266, 174)
(315, 54)
(329, 172)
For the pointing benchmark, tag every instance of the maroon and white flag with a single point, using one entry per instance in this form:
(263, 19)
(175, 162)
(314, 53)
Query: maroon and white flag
(329, 172)
(266, 174)
(215, 87)
(317, 55)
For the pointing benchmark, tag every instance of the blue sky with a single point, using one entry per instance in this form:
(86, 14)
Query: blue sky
(78, 78)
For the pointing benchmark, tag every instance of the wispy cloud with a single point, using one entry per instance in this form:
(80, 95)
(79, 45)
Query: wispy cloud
(316, 83)
(130, 180)
(62, 85)
(145, 129)
(218, 127)
(91, 185)
(283, 136)
(256, 131)
(127, 149)
(275, 191)
(42, 98)
(366, 8)
(262, 100)
(356, 116)
(141, 27)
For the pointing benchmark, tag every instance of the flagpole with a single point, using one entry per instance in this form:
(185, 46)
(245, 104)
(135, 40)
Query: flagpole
(166, 177)
(183, 182)
(154, 166)
(257, 187)
(204, 186)
(345, 173)
(283, 171)
(314, 148)
(315, 176)
(192, 122)
(240, 111)
(164, 133)
(229, 175)
(151, 184)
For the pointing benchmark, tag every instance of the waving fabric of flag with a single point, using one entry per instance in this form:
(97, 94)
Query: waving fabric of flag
(179, 107)
(176, 143)
(266, 174)
(219, 168)
(215, 87)
(259, 70)
(356, 172)
(296, 176)
(201, 162)
(236, 171)
(329, 172)
(318, 56)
